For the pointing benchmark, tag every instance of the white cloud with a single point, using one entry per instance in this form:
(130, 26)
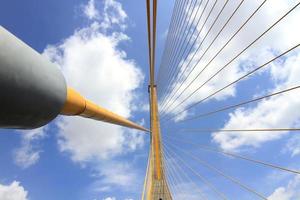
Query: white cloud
(94, 65)
(14, 191)
(183, 188)
(114, 174)
(185, 86)
(187, 190)
(256, 55)
(277, 112)
(288, 192)
(113, 198)
(119, 174)
(113, 15)
(90, 10)
(110, 198)
(293, 145)
(29, 152)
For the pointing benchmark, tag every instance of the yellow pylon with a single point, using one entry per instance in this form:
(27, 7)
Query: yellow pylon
(156, 183)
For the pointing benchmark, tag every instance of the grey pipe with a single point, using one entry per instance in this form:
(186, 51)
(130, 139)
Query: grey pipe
(32, 89)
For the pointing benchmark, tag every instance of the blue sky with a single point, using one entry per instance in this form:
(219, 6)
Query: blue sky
(101, 47)
(37, 162)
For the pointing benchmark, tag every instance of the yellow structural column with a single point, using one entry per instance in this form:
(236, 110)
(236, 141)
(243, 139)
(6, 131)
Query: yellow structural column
(77, 105)
(155, 131)
(157, 188)
(156, 183)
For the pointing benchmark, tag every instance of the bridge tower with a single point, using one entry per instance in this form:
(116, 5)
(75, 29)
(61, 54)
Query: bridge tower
(156, 186)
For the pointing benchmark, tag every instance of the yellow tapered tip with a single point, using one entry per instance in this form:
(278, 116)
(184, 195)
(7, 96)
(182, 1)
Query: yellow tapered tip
(77, 105)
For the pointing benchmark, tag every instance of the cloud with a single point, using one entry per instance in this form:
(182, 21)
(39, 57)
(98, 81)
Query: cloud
(182, 88)
(113, 15)
(14, 191)
(257, 54)
(293, 145)
(109, 198)
(113, 198)
(115, 173)
(288, 192)
(90, 10)
(29, 152)
(277, 112)
(95, 65)
(187, 190)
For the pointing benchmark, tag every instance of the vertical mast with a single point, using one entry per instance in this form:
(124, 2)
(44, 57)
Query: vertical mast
(157, 188)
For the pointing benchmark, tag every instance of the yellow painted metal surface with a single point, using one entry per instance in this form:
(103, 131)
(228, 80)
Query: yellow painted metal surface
(158, 186)
(77, 105)
(155, 130)
(146, 178)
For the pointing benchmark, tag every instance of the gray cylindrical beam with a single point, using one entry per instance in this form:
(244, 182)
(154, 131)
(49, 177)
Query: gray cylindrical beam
(32, 89)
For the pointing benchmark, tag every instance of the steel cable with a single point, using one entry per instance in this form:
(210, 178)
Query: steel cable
(181, 77)
(237, 80)
(182, 40)
(181, 171)
(199, 46)
(235, 155)
(232, 179)
(171, 26)
(238, 104)
(173, 34)
(202, 27)
(228, 63)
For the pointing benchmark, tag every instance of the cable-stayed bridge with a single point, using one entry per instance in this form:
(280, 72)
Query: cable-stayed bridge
(190, 62)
